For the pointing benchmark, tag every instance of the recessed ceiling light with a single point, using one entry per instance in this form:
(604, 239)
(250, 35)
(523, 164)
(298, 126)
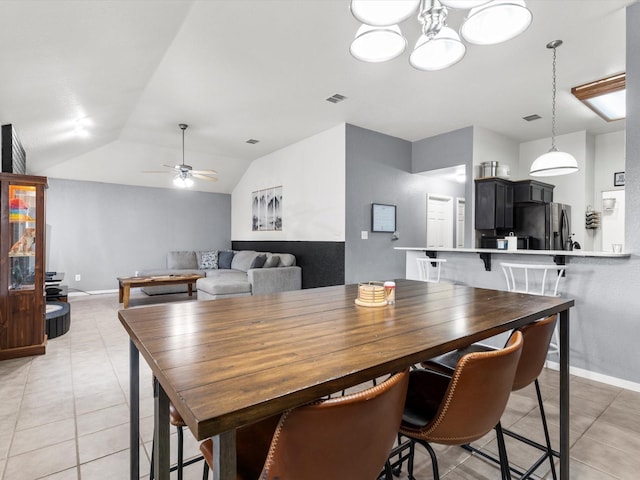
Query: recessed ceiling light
(531, 118)
(606, 97)
(252, 141)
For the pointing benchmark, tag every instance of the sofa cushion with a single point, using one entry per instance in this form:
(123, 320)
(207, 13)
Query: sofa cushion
(258, 261)
(208, 260)
(225, 257)
(224, 282)
(182, 260)
(286, 260)
(272, 261)
(242, 260)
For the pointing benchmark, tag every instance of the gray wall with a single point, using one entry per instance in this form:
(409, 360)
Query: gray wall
(445, 150)
(449, 150)
(378, 170)
(102, 231)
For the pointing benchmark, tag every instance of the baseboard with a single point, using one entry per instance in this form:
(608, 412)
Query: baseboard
(81, 293)
(598, 377)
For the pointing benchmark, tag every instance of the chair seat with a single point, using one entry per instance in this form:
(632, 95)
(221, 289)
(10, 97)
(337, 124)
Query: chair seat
(174, 417)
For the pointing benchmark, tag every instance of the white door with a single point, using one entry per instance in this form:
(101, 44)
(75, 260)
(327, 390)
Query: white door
(439, 221)
(460, 205)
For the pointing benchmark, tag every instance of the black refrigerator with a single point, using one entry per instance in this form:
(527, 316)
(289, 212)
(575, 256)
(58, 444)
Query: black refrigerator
(548, 225)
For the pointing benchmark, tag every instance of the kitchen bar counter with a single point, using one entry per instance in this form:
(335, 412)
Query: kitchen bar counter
(560, 257)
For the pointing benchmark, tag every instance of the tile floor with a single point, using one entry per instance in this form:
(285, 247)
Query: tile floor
(64, 415)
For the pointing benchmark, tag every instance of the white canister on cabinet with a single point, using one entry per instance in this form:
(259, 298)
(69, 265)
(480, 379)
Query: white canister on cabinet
(512, 241)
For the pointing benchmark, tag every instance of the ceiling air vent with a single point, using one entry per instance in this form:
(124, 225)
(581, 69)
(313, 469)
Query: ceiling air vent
(252, 141)
(531, 118)
(336, 98)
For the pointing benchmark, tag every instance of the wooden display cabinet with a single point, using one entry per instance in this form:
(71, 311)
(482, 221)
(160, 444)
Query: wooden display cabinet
(22, 241)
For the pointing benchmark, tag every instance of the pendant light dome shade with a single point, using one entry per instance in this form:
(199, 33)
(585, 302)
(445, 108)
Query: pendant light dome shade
(378, 44)
(463, 4)
(441, 51)
(553, 163)
(496, 22)
(382, 13)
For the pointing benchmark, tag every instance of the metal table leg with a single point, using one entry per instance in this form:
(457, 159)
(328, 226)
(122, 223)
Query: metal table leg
(224, 456)
(161, 432)
(564, 395)
(134, 414)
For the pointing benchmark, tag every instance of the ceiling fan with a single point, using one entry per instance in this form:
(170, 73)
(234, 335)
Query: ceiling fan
(184, 174)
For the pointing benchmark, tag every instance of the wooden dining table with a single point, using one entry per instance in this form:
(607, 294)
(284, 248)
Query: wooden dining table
(230, 362)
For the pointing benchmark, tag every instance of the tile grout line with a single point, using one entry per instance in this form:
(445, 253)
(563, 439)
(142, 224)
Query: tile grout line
(15, 424)
(75, 410)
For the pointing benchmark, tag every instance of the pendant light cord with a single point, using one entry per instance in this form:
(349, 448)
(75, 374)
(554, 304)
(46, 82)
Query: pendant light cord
(553, 45)
(553, 105)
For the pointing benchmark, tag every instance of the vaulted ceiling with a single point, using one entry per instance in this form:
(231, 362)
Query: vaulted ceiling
(129, 72)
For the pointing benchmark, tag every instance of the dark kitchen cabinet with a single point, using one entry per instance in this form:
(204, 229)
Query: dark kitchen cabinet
(532, 191)
(494, 204)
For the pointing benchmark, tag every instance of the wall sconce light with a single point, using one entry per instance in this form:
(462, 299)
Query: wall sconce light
(606, 97)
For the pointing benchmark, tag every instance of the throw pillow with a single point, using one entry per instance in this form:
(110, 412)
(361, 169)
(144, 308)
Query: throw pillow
(258, 262)
(209, 260)
(272, 261)
(224, 258)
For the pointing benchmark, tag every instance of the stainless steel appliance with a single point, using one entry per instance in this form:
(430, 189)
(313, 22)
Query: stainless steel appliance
(548, 225)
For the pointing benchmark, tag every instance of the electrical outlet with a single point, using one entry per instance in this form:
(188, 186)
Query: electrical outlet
(77, 277)
(364, 235)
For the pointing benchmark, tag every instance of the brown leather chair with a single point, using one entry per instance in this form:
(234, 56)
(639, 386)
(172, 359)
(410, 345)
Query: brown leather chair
(344, 437)
(537, 337)
(459, 409)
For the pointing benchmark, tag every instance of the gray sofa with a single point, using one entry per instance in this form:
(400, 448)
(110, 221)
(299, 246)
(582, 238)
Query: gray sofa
(231, 273)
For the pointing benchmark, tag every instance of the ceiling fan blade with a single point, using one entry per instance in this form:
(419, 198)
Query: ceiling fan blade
(205, 172)
(172, 167)
(204, 177)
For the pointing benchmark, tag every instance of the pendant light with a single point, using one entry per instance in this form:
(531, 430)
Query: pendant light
(553, 162)
(378, 44)
(382, 13)
(496, 22)
(380, 39)
(439, 46)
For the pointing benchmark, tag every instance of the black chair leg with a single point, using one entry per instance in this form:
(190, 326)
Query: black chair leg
(546, 430)
(502, 451)
(434, 461)
(205, 471)
(180, 452)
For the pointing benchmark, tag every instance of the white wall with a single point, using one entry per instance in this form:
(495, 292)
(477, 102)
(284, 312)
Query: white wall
(489, 146)
(312, 175)
(610, 158)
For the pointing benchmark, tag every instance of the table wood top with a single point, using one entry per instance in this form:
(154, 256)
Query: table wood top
(228, 362)
(144, 279)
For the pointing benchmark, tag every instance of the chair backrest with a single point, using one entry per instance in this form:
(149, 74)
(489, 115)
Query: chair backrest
(475, 397)
(537, 337)
(533, 279)
(429, 269)
(343, 437)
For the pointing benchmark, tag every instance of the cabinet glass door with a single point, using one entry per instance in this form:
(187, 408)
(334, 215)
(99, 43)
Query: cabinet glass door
(22, 222)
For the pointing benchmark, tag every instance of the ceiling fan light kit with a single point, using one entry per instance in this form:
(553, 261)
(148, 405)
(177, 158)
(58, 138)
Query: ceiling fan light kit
(184, 174)
(380, 39)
